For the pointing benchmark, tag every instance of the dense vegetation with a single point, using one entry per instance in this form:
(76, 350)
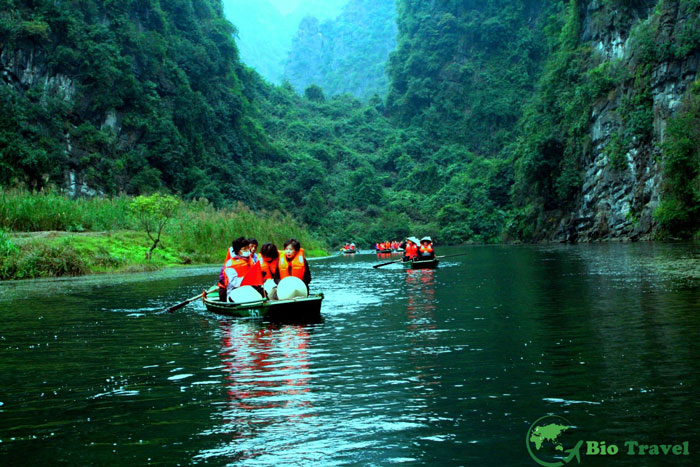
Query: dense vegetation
(347, 54)
(679, 212)
(166, 73)
(105, 234)
(482, 135)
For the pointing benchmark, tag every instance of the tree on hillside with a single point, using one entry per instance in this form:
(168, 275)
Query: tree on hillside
(153, 213)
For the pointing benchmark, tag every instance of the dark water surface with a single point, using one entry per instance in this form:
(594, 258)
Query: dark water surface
(443, 367)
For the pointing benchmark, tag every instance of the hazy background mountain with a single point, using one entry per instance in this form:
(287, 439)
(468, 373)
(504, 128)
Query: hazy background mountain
(347, 54)
(266, 28)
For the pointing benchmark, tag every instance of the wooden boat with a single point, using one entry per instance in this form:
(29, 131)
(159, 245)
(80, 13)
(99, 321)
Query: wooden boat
(348, 252)
(384, 251)
(306, 309)
(422, 264)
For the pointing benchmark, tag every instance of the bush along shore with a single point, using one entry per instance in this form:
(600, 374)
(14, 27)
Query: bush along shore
(51, 235)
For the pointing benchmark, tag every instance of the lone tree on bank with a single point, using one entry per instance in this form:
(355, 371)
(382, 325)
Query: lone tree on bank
(153, 212)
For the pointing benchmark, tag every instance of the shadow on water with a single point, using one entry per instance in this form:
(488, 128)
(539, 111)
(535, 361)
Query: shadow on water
(438, 367)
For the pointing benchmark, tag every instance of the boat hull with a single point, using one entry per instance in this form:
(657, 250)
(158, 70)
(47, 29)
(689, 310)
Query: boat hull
(425, 264)
(295, 310)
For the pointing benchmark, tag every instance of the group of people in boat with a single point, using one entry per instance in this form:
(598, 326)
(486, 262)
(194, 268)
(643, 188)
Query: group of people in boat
(244, 265)
(388, 245)
(349, 247)
(418, 250)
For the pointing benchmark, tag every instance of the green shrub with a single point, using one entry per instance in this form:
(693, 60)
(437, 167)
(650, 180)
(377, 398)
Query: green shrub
(6, 246)
(37, 259)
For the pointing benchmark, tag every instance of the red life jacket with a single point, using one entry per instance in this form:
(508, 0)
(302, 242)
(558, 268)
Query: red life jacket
(269, 269)
(426, 248)
(295, 267)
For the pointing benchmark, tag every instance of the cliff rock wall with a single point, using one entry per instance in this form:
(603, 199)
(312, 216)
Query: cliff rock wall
(621, 191)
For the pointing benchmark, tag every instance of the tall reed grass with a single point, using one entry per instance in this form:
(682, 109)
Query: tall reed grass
(199, 233)
(22, 211)
(207, 232)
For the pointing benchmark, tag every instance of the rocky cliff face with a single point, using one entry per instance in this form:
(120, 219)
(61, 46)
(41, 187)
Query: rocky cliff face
(25, 69)
(617, 200)
(28, 68)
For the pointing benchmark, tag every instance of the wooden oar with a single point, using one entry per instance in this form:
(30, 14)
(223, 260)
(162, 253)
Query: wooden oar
(384, 264)
(189, 300)
(450, 256)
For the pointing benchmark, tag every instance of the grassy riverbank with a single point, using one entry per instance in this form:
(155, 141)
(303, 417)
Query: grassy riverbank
(46, 235)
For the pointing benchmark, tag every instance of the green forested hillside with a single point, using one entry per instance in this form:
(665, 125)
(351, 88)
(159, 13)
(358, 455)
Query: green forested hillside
(485, 132)
(151, 98)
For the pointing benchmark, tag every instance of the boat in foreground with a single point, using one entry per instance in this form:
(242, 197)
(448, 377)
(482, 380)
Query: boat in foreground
(307, 309)
(422, 264)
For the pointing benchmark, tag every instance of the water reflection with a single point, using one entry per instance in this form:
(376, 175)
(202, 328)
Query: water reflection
(420, 292)
(426, 367)
(267, 376)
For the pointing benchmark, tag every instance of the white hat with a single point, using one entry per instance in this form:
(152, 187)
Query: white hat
(426, 238)
(414, 240)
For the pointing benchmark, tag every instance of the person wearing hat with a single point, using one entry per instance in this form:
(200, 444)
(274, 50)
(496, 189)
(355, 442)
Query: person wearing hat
(425, 250)
(411, 249)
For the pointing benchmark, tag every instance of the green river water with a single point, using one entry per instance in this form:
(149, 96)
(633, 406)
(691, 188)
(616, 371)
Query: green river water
(451, 366)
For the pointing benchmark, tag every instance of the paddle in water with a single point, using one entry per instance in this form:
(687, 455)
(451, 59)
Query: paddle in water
(384, 264)
(189, 300)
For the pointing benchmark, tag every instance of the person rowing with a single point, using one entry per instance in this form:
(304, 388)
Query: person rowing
(411, 249)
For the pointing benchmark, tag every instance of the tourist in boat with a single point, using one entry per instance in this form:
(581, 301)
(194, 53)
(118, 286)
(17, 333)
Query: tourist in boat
(235, 267)
(269, 257)
(254, 257)
(293, 263)
(410, 249)
(425, 250)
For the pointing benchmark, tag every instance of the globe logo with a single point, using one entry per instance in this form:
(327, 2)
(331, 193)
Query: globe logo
(547, 441)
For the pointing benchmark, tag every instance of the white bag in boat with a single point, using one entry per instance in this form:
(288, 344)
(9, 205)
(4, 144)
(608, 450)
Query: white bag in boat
(291, 287)
(269, 287)
(244, 294)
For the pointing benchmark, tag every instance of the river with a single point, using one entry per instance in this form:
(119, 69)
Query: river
(451, 366)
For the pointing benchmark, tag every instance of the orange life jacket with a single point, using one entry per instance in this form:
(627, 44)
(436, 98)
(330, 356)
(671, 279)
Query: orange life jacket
(411, 250)
(426, 248)
(235, 267)
(268, 269)
(295, 267)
